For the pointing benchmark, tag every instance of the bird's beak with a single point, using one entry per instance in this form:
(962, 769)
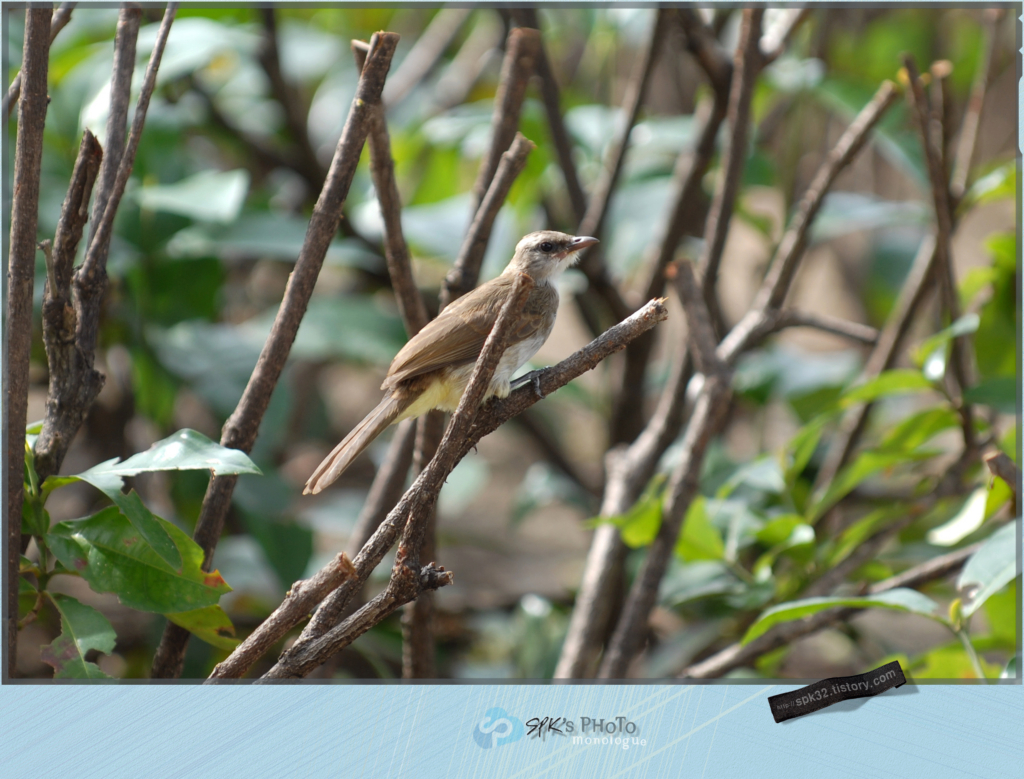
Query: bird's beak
(582, 242)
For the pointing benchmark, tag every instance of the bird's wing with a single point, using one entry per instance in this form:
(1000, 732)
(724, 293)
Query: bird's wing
(457, 336)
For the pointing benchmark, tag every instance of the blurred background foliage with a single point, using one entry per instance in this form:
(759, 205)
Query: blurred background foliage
(215, 214)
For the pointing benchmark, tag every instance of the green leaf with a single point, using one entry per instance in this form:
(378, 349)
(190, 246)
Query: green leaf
(930, 356)
(867, 464)
(963, 523)
(27, 596)
(207, 624)
(185, 450)
(1000, 393)
(863, 529)
(949, 662)
(919, 428)
(761, 474)
(989, 569)
(82, 629)
(208, 196)
(640, 524)
(900, 599)
(700, 539)
(801, 447)
(106, 549)
(1000, 184)
(895, 382)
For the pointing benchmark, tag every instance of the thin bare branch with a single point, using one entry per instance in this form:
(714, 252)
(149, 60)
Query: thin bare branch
(300, 600)
(306, 162)
(466, 270)
(425, 53)
(791, 248)
(855, 331)
(28, 156)
(708, 415)
(241, 428)
(960, 359)
(972, 117)
(91, 278)
(520, 60)
(527, 17)
(704, 45)
(57, 23)
(779, 30)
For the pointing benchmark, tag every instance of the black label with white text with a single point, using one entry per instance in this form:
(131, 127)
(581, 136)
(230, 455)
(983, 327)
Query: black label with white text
(840, 688)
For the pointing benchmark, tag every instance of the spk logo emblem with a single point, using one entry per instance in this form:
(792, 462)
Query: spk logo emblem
(498, 728)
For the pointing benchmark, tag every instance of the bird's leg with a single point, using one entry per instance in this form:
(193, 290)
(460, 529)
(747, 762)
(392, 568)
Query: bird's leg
(533, 377)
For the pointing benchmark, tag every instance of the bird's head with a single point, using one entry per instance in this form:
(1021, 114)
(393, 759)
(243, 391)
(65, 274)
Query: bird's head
(545, 254)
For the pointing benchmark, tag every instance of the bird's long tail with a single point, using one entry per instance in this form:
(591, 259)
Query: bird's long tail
(355, 442)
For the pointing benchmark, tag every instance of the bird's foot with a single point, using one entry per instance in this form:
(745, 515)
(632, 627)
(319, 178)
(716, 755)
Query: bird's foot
(533, 377)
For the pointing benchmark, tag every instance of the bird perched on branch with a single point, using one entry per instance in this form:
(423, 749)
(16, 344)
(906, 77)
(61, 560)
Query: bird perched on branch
(433, 369)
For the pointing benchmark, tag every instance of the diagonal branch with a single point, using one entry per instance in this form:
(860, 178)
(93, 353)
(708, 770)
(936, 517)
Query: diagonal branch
(425, 53)
(28, 156)
(301, 599)
(464, 273)
(241, 428)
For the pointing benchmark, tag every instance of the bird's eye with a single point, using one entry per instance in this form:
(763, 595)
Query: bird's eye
(547, 246)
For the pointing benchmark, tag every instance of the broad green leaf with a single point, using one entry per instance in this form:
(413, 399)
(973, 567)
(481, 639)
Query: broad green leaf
(109, 553)
(800, 535)
(893, 382)
(700, 539)
(778, 529)
(639, 526)
(949, 662)
(801, 447)
(963, 523)
(207, 624)
(208, 196)
(1010, 671)
(999, 184)
(999, 494)
(867, 464)
(1001, 613)
(185, 450)
(82, 629)
(1000, 393)
(919, 428)
(989, 569)
(900, 599)
(686, 582)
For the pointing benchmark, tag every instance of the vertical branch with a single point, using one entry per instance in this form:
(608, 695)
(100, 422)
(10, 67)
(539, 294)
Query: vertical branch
(744, 73)
(972, 117)
(28, 156)
(241, 428)
(520, 60)
(708, 415)
(425, 53)
(125, 40)
(57, 23)
(91, 277)
(960, 358)
(527, 17)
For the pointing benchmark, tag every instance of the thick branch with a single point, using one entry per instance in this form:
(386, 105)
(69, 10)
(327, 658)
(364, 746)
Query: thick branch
(73, 382)
(57, 23)
(28, 155)
(301, 599)
(241, 428)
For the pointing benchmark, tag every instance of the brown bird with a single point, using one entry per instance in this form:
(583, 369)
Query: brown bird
(433, 369)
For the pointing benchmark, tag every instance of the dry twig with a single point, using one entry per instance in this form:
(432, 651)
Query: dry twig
(58, 22)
